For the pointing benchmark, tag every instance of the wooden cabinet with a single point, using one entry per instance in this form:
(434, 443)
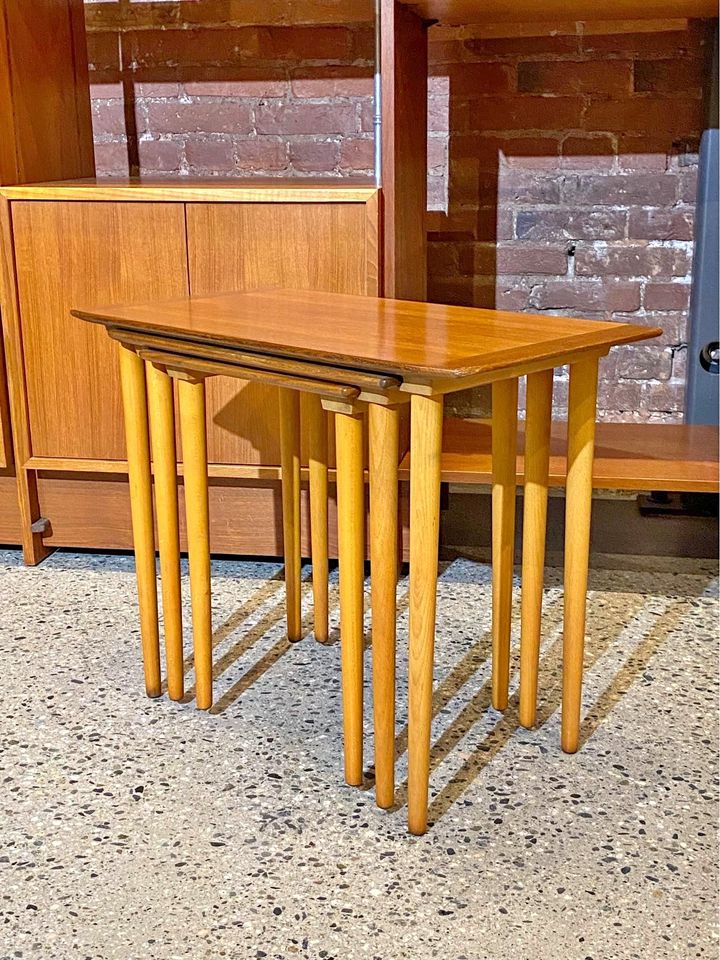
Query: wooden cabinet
(90, 242)
(70, 253)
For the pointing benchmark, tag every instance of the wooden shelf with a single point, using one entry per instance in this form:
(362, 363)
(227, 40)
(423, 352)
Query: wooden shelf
(538, 11)
(186, 190)
(628, 456)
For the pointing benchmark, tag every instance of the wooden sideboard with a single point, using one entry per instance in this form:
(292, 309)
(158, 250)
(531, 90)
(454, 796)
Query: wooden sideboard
(76, 243)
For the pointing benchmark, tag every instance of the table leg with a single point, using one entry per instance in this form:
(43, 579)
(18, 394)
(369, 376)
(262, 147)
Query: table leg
(351, 553)
(425, 456)
(535, 499)
(290, 463)
(384, 430)
(191, 396)
(578, 509)
(132, 376)
(318, 470)
(162, 432)
(504, 457)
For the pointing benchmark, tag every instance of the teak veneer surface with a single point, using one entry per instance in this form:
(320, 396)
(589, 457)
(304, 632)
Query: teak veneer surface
(187, 190)
(628, 456)
(535, 11)
(422, 341)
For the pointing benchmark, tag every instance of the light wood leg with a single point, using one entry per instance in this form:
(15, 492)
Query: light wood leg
(132, 376)
(537, 460)
(582, 405)
(504, 455)
(425, 454)
(351, 554)
(384, 430)
(162, 432)
(191, 396)
(290, 463)
(318, 470)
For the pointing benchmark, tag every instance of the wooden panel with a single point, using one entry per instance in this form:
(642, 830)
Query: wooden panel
(628, 456)
(497, 11)
(245, 517)
(189, 189)
(44, 91)
(416, 340)
(10, 532)
(404, 151)
(69, 254)
(238, 247)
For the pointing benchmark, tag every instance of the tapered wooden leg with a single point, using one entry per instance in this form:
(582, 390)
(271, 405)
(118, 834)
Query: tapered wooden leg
(318, 470)
(290, 463)
(425, 453)
(351, 554)
(191, 397)
(504, 454)
(582, 404)
(162, 431)
(537, 460)
(132, 376)
(384, 430)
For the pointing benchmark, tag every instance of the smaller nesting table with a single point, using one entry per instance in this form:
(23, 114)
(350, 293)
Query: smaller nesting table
(357, 356)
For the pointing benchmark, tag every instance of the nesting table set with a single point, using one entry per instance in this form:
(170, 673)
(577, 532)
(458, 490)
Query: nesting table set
(362, 357)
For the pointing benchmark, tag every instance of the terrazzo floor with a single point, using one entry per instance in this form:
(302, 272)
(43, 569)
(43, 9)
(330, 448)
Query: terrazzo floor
(132, 828)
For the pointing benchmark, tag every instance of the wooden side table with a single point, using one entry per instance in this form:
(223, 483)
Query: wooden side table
(353, 351)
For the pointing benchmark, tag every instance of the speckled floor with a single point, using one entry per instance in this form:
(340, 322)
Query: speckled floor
(132, 828)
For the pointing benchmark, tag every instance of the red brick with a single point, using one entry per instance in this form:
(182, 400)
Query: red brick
(306, 43)
(513, 295)
(650, 362)
(645, 116)
(620, 396)
(667, 296)
(602, 224)
(199, 117)
(103, 52)
(356, 154)
(588, 153)
(643, 154)
(666, 397)
(673, 324)
(470, 80)
(106, 91)
(157, 91)
(604, 78)
(261, 155)
(645, 44)
(523, 113)
(527, 188)
(210, 156)
(660, 224)
(160, 156)
(253, 84)
(621, 189)
(596, 295)
(314, 156)
(631, 261)
(331, 82)
(288, 119)
(521, 259)
(521, 46)
(367, 117)
(683, 78)
(111, 159)
(108, 118)
(437, 153)
(162, 48)
(687, 190)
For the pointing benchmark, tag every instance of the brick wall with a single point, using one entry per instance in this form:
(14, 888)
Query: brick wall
(569, 187)
(562, 169)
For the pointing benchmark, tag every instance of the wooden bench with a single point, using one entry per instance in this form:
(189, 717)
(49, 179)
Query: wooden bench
(628, 456)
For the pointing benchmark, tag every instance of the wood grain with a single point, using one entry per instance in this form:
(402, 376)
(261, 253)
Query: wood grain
(441, 344)
(289, 428)
(500, 11)
(328, 253)
(404, 151)
(425, 440)
(73, 394)
(187, 190)
(628, 456)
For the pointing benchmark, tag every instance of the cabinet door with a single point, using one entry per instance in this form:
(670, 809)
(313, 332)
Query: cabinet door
(74, 254)
(309, 246)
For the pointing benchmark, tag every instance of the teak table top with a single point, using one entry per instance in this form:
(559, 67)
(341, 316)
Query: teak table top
(444, 347)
